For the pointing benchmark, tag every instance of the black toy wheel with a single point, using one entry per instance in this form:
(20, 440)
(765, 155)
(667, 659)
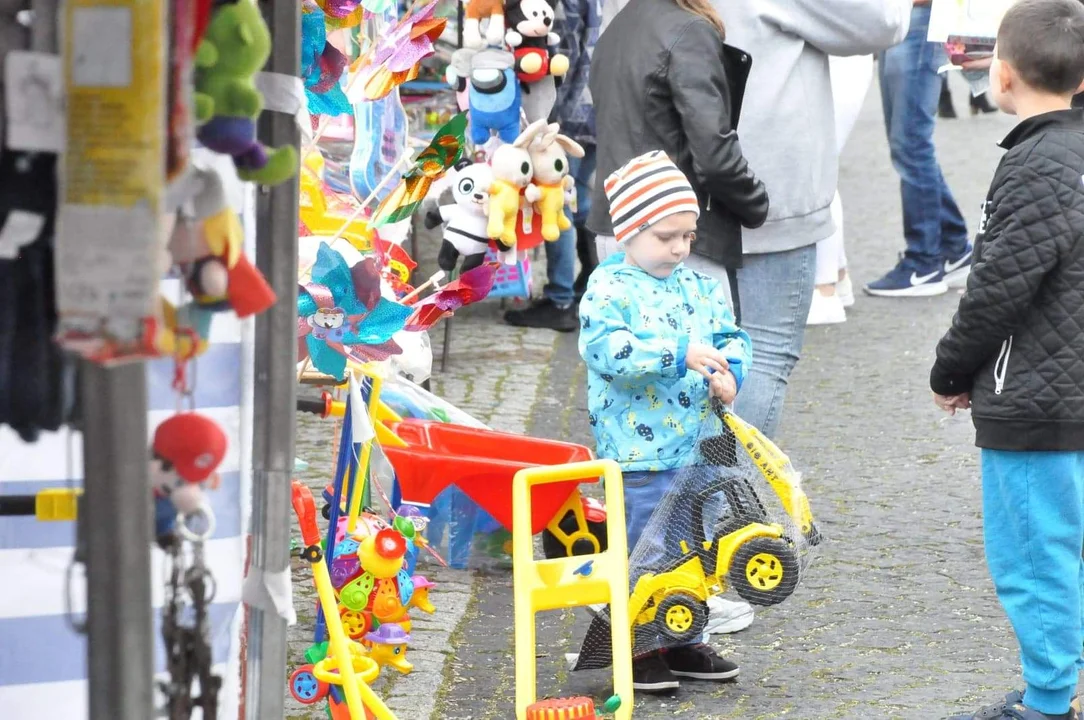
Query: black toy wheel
(554, 548)
(326, 512)
(312, 553)
(681, 617)
(764, 571)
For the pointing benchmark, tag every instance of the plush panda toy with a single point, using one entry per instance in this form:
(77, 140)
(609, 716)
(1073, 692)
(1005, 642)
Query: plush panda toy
(465, 221)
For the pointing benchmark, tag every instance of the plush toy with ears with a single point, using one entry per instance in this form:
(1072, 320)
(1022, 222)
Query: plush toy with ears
(549, 156)
(512, 173)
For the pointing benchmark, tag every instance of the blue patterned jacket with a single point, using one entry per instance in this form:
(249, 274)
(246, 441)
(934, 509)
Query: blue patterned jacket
(645, 408)
(578, 24)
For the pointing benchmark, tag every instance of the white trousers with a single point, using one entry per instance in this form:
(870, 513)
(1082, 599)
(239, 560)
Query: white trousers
(851, 78)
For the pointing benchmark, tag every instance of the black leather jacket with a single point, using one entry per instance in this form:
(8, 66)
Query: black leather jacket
(662, 79)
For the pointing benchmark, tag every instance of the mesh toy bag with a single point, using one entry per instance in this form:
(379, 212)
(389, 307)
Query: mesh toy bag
(736, 519)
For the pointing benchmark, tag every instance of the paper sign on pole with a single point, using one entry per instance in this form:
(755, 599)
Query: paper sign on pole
(113, 178)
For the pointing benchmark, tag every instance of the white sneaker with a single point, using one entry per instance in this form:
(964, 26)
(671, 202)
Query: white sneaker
(826, 310)
(727, 616)
(845, 290)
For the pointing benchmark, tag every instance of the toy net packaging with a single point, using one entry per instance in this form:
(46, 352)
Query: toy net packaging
(735, 520)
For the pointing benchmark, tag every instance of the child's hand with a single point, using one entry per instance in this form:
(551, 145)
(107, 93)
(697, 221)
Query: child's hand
(724, 386)
(704, 359)
(952, 403)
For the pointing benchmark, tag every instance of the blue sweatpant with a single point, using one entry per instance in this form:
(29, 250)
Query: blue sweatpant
(1033, 507)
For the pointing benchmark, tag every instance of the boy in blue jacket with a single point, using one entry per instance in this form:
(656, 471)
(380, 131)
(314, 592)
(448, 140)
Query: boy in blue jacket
(659, 340)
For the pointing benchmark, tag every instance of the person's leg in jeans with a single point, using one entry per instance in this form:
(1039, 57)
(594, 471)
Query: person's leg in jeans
(644, 493)
(582, 170)
(1033, 519)
(555, 310)
(933, 226)
(776, 291)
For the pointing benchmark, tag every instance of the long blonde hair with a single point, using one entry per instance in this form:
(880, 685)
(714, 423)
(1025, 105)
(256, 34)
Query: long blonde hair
(706, 10)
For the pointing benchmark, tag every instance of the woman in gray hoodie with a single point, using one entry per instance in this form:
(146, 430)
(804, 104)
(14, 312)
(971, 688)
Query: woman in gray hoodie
(788, 137)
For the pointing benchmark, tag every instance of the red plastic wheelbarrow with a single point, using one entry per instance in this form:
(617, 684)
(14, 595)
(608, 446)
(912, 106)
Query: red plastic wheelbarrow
(482, 463)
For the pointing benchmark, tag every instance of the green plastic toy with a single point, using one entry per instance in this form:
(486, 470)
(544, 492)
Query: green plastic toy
(234, 48)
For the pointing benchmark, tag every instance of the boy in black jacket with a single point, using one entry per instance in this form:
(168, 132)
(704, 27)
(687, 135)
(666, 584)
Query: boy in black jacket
(1015, 354)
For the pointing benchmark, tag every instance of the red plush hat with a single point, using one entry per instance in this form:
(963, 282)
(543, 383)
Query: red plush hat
(248, 290)
(192, 443)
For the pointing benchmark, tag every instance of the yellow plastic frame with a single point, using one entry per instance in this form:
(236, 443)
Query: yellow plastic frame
(554, 584)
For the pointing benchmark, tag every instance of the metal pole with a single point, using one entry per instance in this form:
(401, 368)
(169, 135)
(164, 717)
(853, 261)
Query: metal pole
(275, 390)
(117, 526)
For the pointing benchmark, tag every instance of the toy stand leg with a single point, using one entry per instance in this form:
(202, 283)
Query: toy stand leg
(447, 343)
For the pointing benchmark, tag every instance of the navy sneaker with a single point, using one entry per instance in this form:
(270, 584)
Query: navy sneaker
(909, 280)
(957, 270)
(1013, 708)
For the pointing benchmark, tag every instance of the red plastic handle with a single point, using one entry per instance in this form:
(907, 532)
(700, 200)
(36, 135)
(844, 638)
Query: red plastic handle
(305, 509)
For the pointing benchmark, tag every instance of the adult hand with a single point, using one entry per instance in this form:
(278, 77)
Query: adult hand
(724, 386)
(704, 359)
(952, 403)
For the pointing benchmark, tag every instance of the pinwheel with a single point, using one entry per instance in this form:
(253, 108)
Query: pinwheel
(342, 315)
(439, 156)
(322, 65)
(397, 57)
(472, 286)
(343, 14)
(395, 263)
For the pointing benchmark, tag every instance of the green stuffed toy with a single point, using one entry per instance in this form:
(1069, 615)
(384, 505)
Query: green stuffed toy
(234, 48)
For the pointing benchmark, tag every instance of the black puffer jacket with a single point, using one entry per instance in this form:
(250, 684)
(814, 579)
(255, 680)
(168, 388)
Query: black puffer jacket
(1017, 341)
(662, 79)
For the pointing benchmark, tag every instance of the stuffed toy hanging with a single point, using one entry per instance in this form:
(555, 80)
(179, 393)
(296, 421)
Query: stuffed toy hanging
(186, 451)
(235, 47)
(475, 12)
(494, 97)
(512, 173)
(458, 76)
(209, 249)
(466, 220)
(534, 45)
(549, 157)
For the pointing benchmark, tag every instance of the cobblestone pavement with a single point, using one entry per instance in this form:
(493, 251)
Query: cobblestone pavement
(897, 618)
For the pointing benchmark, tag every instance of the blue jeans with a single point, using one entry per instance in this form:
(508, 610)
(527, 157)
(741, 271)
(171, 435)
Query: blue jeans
(561, 253)
(776, 290)
(1033, 520)
(933, 227)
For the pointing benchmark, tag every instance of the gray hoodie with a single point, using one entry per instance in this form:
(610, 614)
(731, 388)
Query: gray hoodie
(787, 123)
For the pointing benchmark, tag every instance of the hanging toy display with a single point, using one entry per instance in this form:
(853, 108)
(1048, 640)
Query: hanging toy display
(492, 11)
(549, 157)
(533, 43)
(234, 48)
(494, 97)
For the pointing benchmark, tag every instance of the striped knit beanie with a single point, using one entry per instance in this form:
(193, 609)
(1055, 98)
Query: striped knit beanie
(646, 190)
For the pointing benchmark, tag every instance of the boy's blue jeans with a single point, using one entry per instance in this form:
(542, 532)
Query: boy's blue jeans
(1033, 518)
(933, 226)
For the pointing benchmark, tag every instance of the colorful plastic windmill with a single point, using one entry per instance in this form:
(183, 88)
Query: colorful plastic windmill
(397, 57)
(342, 14)
(441, 154)
(470, 287)
(322, 65)
(342, 315)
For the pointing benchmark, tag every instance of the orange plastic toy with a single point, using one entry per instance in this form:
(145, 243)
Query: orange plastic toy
(482, 464)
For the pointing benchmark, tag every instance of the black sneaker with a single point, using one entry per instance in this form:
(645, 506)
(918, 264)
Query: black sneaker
(699, 662)
(945, 108)
(545, 314)
(651, 675)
